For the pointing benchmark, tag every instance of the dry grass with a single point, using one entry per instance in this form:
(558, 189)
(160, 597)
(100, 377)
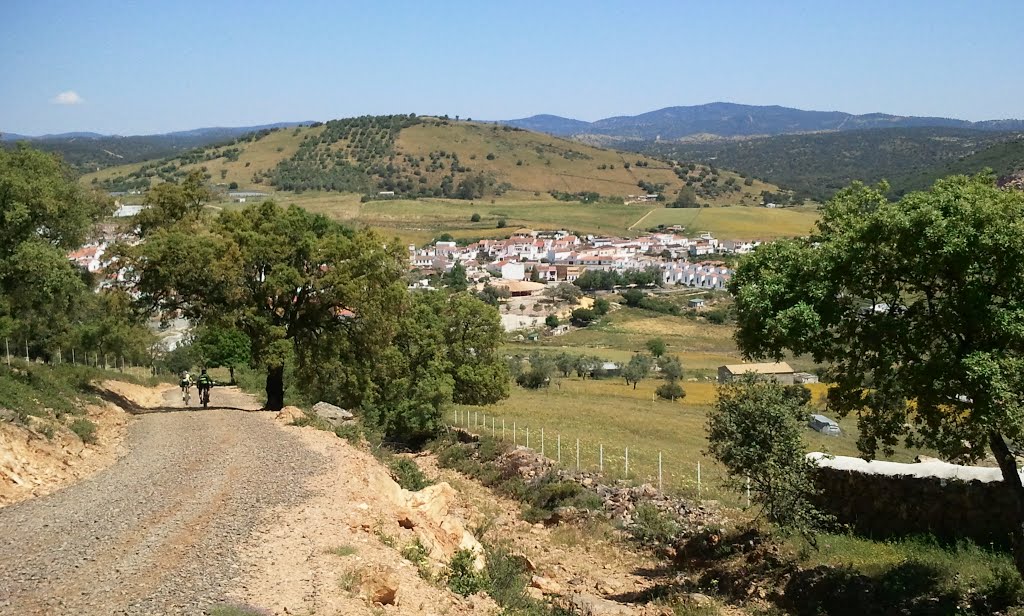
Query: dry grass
(261, 155)
(611, 413)
(534, 162)
(738, 222)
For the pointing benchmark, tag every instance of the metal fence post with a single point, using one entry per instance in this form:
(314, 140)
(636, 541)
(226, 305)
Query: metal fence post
(513, 433)
(558, 440)
(627, 461)
(577, 455)
(542, 442)
(660, 488)
(600, 457)
(527, 437)
(698, 480)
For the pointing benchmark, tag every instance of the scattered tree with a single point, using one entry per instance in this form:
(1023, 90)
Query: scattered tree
(657, 347)
(637, 369)
(552, 321)
(755, 431)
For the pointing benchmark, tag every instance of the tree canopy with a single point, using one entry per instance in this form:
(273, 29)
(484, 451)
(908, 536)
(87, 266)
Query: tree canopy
(45, 299)
(332, 302)
(917, 309)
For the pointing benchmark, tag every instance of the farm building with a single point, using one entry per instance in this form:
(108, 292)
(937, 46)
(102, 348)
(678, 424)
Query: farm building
(697, 302)
(780, 371)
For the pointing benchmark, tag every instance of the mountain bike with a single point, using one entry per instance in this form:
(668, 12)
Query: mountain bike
(186, 394)
(204, 395)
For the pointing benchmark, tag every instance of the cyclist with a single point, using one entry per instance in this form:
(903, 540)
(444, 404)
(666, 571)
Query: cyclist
(186, 383)
(204, 383)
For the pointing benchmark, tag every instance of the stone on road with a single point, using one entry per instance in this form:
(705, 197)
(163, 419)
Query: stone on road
(156, 532)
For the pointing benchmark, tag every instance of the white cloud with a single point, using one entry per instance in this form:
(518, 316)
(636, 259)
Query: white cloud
(67, 98)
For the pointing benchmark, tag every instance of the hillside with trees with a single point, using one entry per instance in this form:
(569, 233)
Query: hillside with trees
(90, 152)
(408, 156)
(815, 166)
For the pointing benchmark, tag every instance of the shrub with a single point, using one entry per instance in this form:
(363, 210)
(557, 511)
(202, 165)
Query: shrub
(463, 579)
(502, 223)
(475, 217)
(408, 474)
(85, 429)
(651, 526)
(582, 317)
(550, 493)
(551, 321)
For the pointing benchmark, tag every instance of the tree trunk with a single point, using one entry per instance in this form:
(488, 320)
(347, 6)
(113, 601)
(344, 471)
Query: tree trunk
(1008, 466)
(275, 388)
(231, 369)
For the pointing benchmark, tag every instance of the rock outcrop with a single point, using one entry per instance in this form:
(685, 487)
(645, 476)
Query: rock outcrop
(334, 415)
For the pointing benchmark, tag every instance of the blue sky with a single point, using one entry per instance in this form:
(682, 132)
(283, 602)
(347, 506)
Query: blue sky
(155, 66)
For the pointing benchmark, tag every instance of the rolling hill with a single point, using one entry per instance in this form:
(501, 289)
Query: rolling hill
(417, 157)
(87, 152)
(731, 120)
(816, 165)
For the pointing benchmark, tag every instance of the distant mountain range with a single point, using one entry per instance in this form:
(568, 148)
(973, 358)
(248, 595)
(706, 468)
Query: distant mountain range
(213, 132)
(730, 120)
(91, 151)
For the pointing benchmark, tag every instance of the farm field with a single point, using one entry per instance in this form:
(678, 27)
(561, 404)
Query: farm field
(421, 221)
(738, 222)
(611, 414)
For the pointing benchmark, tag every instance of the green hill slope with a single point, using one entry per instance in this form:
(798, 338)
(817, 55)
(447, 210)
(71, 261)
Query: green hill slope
(416, 157)
(816, 165)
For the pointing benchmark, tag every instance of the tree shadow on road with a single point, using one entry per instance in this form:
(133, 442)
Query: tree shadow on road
(131, 407)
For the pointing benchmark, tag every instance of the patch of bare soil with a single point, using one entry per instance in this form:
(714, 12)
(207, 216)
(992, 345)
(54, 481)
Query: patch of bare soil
(340, 551)
(33, 464)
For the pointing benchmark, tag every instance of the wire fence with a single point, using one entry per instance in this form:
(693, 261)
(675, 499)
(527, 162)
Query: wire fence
(699, 478)
(79, 356)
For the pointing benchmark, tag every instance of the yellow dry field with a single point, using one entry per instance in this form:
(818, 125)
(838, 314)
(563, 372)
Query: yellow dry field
(608, 414)
(738, 222)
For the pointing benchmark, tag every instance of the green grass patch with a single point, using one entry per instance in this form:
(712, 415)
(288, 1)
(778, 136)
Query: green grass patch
(40, 390)
(407, 473)
(343, 550)
(85, 429)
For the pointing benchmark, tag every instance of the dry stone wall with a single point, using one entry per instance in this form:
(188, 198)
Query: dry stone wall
(884, 506)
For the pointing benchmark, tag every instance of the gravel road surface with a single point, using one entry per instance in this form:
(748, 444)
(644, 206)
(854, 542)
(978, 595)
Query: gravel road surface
(156, 532)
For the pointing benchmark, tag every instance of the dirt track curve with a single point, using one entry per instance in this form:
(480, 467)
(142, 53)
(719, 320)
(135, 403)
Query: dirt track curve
(156, 532)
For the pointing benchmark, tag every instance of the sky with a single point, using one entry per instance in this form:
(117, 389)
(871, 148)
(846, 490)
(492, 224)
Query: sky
(155, 66)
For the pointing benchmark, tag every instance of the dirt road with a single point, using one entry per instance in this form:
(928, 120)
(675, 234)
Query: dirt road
(155, 533)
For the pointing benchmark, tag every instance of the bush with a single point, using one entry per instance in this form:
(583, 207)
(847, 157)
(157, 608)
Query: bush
(551, 493)
(475, 217)
(85, 429)
(651, 526)
(551, 321)
(502, 223)
(582, 317)
(408, 474)
(463, 579)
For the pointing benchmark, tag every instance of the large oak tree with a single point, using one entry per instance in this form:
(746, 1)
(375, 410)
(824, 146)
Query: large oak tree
(917, 309)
